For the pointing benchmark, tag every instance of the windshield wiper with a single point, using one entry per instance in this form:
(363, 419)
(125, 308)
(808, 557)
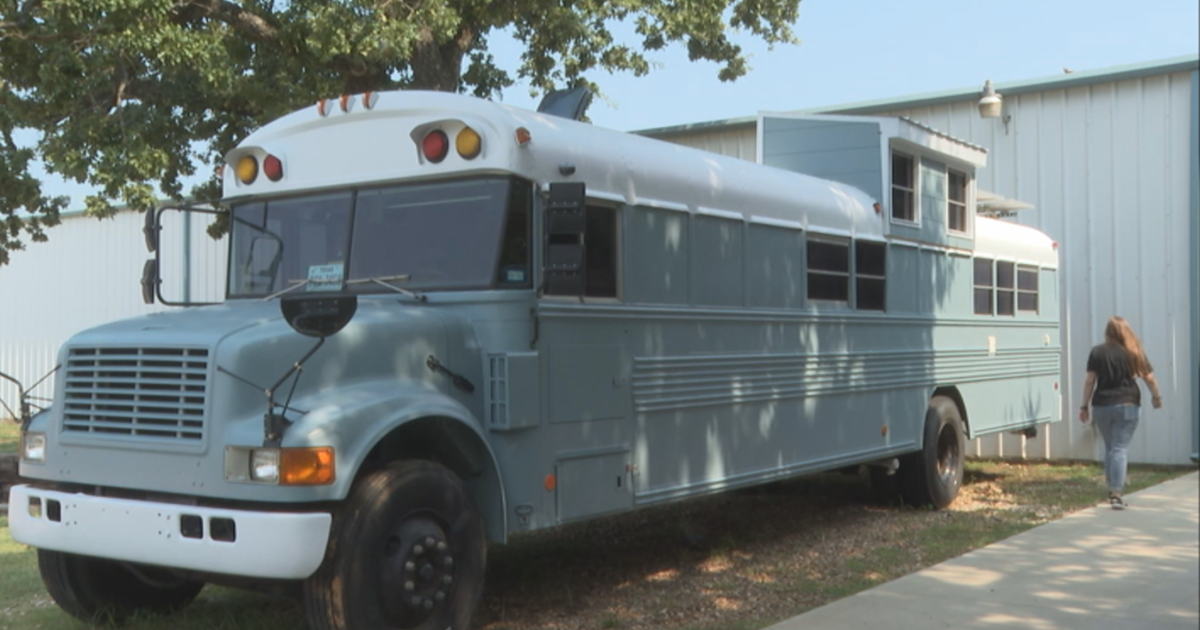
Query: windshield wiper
(386, 281)
(383, 281)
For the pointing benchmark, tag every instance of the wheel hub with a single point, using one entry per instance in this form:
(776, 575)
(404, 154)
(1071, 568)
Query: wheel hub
(417, 571)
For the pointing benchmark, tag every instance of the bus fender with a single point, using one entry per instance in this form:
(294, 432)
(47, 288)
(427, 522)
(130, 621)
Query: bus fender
(372, 424)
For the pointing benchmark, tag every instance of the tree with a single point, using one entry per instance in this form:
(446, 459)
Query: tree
(130, 96)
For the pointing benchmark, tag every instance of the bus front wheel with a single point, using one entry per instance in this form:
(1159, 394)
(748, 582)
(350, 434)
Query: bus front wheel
(407, 553)
(933, 475)
(98, 590)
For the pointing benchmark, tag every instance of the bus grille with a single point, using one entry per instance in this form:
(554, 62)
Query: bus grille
(147, 393)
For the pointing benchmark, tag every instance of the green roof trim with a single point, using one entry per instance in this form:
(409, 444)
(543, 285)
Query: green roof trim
(1059, 81)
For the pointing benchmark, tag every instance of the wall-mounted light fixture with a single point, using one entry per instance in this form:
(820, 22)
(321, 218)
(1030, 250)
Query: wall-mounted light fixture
(990, 101)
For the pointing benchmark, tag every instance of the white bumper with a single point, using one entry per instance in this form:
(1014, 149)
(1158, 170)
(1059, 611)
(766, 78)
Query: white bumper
(259, 544)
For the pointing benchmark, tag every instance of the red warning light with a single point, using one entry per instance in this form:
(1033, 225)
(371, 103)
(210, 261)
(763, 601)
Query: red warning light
(435, 146)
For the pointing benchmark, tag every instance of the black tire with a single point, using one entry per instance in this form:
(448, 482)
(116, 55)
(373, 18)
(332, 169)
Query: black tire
(100, 590)
(933, 475)
(407, 553)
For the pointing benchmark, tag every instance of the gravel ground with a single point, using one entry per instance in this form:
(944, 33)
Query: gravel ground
(741, 560)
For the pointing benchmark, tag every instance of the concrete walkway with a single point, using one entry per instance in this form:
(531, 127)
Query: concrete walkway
(1097, 569)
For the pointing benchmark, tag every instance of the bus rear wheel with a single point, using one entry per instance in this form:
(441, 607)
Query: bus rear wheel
(933, 475)
(101, 590)
(407, 553)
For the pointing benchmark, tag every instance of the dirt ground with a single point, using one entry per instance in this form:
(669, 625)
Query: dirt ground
(740, 560)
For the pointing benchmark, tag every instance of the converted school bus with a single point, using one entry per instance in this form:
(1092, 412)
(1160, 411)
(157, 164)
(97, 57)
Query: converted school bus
(447, 320)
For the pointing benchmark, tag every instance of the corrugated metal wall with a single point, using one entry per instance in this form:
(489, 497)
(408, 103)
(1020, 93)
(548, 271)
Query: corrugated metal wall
(1108, 167)
(86, 275)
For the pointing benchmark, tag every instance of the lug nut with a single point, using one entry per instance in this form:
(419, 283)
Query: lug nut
(410, 566)
(429, 541)
(416, 601)
(428, 605)
(447, 580)
(409, 586)
(441, 597)
(449, 562)
(418, 549)
(441, 546)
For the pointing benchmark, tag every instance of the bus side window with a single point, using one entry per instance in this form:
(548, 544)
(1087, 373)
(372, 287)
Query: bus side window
(984, 286)
(581, 245)
(870, 275)
(828, 269)
(600, 260)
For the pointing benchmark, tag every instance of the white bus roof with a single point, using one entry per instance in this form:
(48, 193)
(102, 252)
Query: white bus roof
(381, 144)
(361, 145)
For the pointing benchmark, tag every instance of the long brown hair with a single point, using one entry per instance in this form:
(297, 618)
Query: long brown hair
(1118, 333)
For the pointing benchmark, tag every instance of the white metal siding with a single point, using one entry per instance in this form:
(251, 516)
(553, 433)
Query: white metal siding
(738, 143)
(87, 274)
(1108, 168)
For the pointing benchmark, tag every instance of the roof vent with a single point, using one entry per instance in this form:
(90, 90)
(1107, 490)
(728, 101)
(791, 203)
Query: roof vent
(572, 103)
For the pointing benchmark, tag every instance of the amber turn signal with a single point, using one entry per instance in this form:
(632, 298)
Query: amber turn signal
(306, 466)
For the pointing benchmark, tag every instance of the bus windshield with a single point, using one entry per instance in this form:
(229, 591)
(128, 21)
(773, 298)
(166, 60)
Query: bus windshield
(452, 235)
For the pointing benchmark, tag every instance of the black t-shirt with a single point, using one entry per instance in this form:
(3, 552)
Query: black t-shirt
(1115, 383)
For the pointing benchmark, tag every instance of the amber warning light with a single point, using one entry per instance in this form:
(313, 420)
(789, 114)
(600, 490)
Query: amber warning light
(435, 146)
(248, 168)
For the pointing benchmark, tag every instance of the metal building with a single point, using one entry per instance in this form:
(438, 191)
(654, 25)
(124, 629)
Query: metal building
(1108, 160)
(88, 274)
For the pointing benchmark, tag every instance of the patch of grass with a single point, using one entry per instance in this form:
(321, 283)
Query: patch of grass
(25, 605)
(10, 433)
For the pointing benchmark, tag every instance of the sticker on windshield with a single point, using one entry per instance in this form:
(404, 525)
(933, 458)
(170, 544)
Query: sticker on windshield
(324, 277)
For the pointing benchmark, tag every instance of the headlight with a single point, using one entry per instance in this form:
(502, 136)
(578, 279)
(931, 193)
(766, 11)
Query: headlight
(287, 466)
(33, 447)
(264, 465)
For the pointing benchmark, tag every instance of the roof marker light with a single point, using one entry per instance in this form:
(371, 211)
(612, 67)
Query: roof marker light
(247, 169)
(468, 143)
(273, 168)
(523, 136)
(322, 108)
(369, 99)
(345, 102)
(435, 146)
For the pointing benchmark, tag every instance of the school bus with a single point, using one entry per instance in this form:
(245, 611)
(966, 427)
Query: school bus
(448, 320)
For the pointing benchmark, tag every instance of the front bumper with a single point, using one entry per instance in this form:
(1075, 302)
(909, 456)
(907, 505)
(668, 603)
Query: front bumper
(235, 542)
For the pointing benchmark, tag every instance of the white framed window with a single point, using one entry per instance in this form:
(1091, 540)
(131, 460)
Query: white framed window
(956, 200)
(904, 187)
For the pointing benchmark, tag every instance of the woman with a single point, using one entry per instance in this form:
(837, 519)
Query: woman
(1113, 368)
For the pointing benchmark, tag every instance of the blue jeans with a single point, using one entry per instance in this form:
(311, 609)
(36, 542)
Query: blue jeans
(1117, 424)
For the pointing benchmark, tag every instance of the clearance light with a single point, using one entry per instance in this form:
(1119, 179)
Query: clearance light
(468, 143)
(435, 146)
(523, 136)
(273, 168)
(247, 169)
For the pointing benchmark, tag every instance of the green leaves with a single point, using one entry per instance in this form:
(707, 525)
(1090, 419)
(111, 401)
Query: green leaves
(133, 96)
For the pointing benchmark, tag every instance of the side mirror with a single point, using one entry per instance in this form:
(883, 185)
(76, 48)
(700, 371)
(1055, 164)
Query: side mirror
(150, 230)
(318, 316)
(150, 281)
